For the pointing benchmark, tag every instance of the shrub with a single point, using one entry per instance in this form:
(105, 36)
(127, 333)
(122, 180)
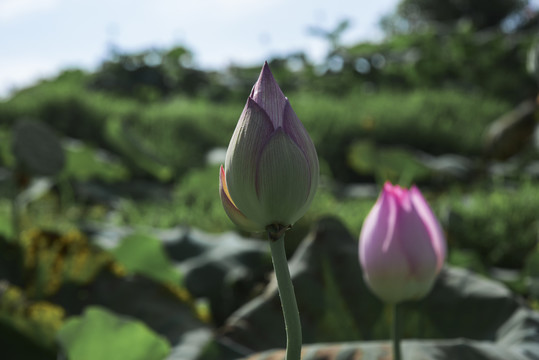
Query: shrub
(500, 225)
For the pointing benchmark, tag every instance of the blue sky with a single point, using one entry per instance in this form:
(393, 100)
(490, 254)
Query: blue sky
(40, 37)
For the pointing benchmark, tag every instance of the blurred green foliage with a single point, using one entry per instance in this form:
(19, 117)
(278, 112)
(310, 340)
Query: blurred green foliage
(143, 254)
(481, 13)
(30, 326)
(456, 57)
(51, 259)
(501, 224)
(84, 162)
(168, 139)
(89, 336)
(394, 164)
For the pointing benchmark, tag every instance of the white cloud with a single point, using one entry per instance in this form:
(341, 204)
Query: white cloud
(12, 9)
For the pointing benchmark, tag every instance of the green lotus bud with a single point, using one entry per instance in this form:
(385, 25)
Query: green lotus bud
(271, 169)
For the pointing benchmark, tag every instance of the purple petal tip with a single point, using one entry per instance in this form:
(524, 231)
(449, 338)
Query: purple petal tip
(268, 95)
(266, 74)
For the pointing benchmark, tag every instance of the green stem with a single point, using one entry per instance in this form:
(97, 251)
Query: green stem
(395, 333)
(288, 299)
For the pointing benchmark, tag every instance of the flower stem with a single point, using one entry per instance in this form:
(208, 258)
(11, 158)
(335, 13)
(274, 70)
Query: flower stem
(395, 333)
(288, 299)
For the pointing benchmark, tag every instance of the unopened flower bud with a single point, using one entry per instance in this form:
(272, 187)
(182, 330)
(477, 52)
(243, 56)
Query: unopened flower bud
(401, 246)
(271, 169)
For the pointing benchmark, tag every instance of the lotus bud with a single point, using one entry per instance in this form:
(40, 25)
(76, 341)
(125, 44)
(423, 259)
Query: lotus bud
(401, 246)
(271, 168)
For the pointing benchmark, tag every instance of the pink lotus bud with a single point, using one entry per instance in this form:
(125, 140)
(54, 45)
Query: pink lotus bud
(271, 168)
(401, 246)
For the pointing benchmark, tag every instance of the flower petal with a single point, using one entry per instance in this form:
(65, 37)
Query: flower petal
(432, 225)
(250, 136)
(385, 269)
(398, 253)
(231, 210)
(416, 247)
(283, 180)
(267, 93)
(294, 128)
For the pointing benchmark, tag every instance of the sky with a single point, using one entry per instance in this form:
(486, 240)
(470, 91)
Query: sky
(38, 38)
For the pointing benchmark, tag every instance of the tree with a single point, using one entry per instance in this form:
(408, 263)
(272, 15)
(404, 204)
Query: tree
(481, 13)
